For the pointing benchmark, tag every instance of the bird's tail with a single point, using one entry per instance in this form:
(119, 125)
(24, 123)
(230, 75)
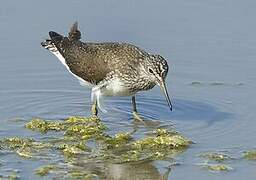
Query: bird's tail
(74, 34)
(55, 38)
(50, 44)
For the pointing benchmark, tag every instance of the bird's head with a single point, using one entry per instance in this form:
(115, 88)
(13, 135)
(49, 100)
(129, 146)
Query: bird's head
(156, 69)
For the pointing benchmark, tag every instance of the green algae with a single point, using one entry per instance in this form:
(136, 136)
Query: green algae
(84, 131)
(215, 156)
(24, 147)
(163, 139)
(250, 155)
(45, 170)
(84, 128)
(195, 83)
(15, 142)
(75, 127)
(11, 175)
(78, 119)
(71, 150)
(218, 167)
(75, 174)
(118, 140)
(74, 144)
(131, 156)
(162, 144)
(62, 172)
(44, 126)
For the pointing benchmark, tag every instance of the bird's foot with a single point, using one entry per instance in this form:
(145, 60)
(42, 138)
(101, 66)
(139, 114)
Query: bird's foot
(141, 121)
(137, 117)
(94, 110)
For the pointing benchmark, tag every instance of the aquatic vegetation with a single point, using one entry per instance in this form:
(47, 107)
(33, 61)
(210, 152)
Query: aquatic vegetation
(250, 155)
(84, 131)
(12, 176)
(85, 139)
(215, 156)
(44, 126)
(83, 128)
(15, 142)
(63, 172)
(218, 167)
(196, 83)
(24, 147)
(130, 156)
(75, 174)
(76, 127)
(163, 139)
(71, 150)
(118, 140)
(161, 144)
(44, 170)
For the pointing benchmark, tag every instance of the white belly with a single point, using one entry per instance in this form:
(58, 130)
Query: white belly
(115, 88)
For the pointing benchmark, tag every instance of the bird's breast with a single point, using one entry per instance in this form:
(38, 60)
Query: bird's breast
(116, 87)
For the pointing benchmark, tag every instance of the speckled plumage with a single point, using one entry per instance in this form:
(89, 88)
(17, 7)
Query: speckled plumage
(114, 69)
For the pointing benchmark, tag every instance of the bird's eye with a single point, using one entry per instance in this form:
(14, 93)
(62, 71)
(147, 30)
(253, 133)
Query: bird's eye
(150, 70)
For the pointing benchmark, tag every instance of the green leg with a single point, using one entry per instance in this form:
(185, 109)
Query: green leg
(94, 108)
(134, 112)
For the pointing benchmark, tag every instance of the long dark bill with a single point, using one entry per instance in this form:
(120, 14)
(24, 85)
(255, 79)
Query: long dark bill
(164, 90)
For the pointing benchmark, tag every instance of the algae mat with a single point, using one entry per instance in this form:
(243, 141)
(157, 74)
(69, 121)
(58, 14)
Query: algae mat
(81, 148)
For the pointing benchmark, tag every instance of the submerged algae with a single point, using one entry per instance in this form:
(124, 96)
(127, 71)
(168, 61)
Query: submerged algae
(163, 139)
(215, 156)
(218, 167)
(250, 155)
(118, 140)
(24, 147)
(84, 128)
(44, 126)
(71, 150)
(74, 124)
(12, 176)
(80, 132)
(81, 175)
(120, 148)
(15, 142)
(44, 170)
(160, 145)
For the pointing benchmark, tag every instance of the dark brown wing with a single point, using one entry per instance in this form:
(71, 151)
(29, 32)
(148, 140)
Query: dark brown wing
(85, 63)
(94, 61)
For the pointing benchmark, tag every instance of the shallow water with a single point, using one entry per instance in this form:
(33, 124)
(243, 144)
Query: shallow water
(210, 47)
